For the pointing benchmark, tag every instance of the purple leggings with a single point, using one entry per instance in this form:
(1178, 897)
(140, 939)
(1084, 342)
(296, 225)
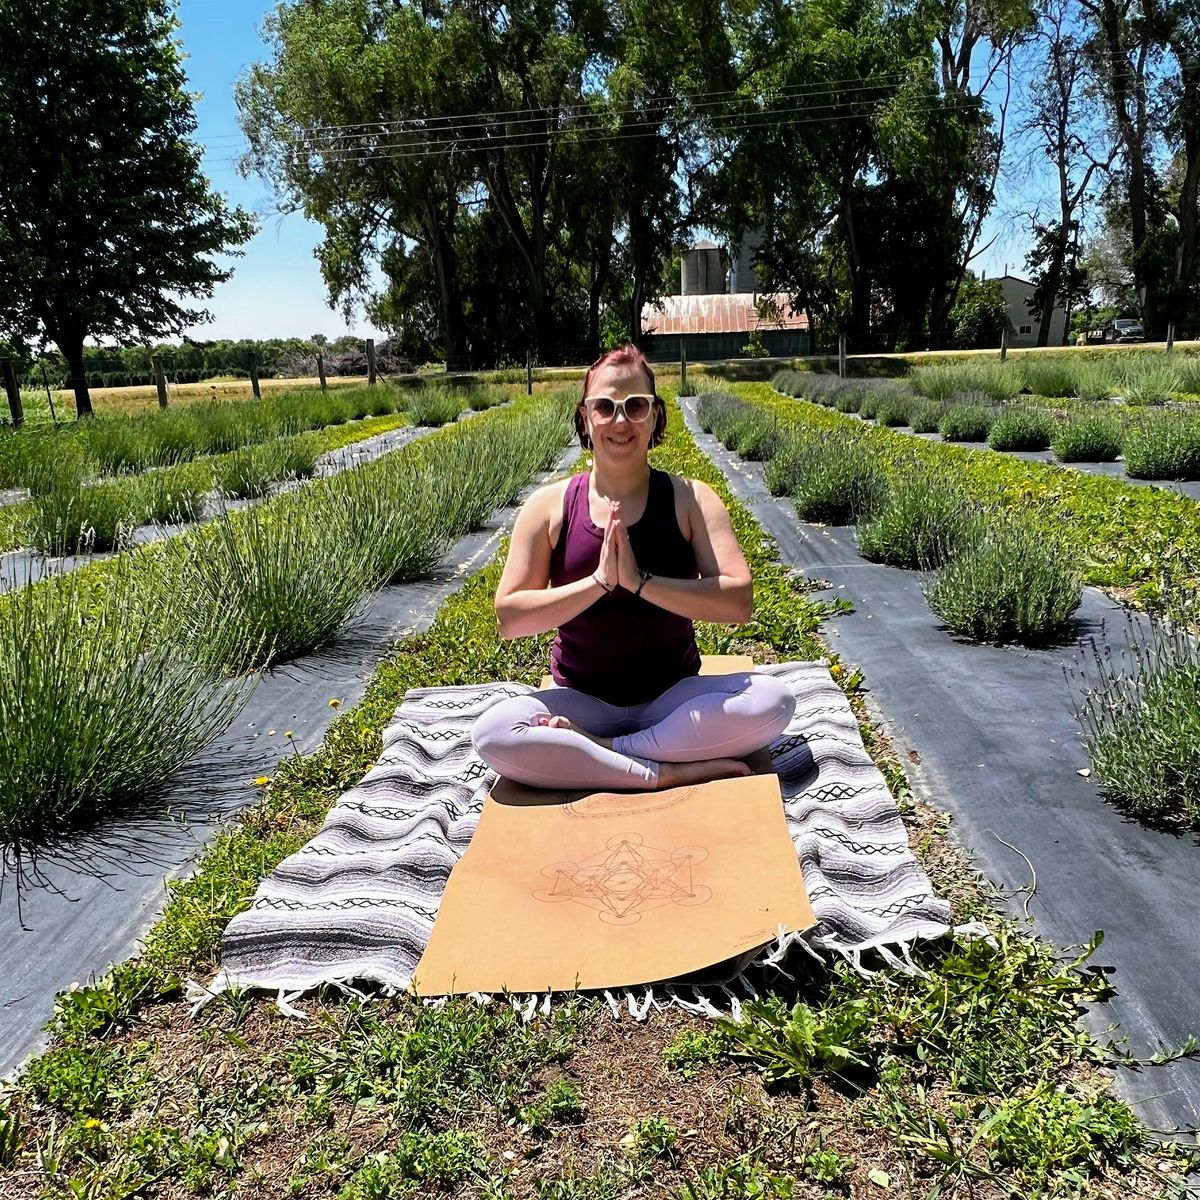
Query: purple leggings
(703, 716)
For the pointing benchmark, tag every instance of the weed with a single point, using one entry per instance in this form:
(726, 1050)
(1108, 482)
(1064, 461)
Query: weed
(559, 1104)
(415, 1163)
(1021, 429)
(1013, 584)
(690, 1050)
(826, 1165)
(1053, 1141)
(745, 1178)
(650, 1138)
(1087, 439)
(800, 1043)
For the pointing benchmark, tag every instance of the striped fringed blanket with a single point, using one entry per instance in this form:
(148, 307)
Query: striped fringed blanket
(358, 902)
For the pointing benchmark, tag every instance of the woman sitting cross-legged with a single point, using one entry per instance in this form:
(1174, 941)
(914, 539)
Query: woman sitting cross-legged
(621, 560)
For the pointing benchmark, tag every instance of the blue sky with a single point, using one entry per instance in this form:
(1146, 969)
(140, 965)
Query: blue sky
(276, 289)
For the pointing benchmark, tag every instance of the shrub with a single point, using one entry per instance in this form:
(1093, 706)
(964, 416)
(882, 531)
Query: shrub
(1151, 383)
(1095, 381)
(81, 518)
(1141, 720)
(1044, 375)
(1087, 439)
(1021, 429)
(1165, 448)
(894, 411)
(718, 412)
(782, 471)
(433, 406)
(1013, 584)
(925, 416)
(924, 524)
(868, 405)
(941, 381)
(482, 398)
(246, 474)
(295, 458)
(97, 708)
(849, 401)
(837, 483)
(757, 436)
(272, 583)
(966, 422)
(170, 498)
(1188, 367)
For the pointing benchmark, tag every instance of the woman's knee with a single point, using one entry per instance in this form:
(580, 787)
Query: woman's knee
(773, 703)
(497, 732)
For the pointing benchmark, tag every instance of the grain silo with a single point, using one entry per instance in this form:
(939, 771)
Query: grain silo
(700, 270)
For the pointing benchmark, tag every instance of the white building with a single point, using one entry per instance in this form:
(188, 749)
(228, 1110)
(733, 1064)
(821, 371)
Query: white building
(1017, 294)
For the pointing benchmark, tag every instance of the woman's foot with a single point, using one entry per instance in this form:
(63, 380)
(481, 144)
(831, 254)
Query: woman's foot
(681, 774)
(563, 723)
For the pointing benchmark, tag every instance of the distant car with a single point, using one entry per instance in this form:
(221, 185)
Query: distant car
(1124, 329)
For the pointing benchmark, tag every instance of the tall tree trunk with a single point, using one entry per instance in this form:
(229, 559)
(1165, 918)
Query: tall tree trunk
(445, 265)
(1185, 274)
(1127, 95)
(71, 346)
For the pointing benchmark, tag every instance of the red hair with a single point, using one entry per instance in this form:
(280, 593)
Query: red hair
(627, 355)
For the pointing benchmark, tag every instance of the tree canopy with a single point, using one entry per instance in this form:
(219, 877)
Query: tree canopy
(107, 225)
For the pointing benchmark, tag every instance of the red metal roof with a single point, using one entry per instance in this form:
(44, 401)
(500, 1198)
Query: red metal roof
(718, 313)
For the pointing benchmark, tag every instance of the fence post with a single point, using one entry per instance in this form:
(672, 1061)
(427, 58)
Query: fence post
(1171, 336)
(49, 395)
(1003, 344)
(841, 356)
(321, 369)
(682, 367)
(15, 407)
(160, 379)
(254, 375)
(529, 372)
(371, 362)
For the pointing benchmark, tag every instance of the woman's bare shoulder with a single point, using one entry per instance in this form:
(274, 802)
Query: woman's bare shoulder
(543, 508)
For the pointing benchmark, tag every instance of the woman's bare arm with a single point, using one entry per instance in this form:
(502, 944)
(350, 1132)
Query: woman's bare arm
(525, 603)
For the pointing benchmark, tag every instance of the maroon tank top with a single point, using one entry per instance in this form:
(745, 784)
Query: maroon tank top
(623, 649)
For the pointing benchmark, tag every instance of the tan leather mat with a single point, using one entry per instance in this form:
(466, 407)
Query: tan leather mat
(710, 664)
(562, 891)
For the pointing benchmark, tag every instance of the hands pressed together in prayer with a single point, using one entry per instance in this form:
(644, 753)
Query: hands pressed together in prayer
(618, 566)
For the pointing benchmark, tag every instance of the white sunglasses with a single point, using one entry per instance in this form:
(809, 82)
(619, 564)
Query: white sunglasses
(633, 408)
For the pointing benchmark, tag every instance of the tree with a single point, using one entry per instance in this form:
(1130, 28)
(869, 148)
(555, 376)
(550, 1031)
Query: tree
(979, 315)
(1065, 131)
(107, 224)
